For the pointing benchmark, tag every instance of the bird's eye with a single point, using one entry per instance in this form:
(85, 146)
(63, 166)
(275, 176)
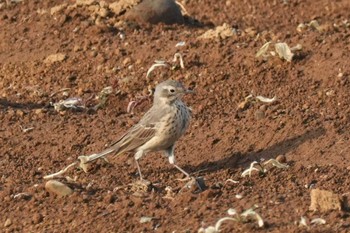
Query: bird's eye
(172, 90)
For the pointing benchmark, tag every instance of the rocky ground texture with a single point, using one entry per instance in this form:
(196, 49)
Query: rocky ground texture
(88, 52)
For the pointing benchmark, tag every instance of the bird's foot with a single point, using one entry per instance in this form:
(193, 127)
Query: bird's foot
(140, 187)
(196, 184)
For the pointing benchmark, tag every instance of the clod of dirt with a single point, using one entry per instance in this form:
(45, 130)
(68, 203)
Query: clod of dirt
(119, 7)
(58, 8)
(85, 2)
(58, 188)
(58, 57)
(155, 11)
(324, 200)
(221, 32)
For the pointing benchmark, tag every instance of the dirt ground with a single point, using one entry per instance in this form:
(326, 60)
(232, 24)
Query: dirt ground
(308, 124)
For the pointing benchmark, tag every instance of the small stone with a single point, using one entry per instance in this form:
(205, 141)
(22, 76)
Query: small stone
(103, 12)
(8, 223)
(126, 61)
(37, 218)
(103, 4)
(85, 2)
(58, 57)
(324, 200)
(93, 53)
(38, 111)
(281, 159)
(259, 114)
(77, 48)
(263, 108)
(58, 188)
(19, 113)
(58, 8)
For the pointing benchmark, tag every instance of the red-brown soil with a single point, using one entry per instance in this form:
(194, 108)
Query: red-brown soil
(309, 123)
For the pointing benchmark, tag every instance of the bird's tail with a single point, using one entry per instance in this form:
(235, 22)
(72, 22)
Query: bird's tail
(87, 159)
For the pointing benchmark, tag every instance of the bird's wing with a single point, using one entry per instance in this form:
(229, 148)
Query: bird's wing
(140, 133)
(135, 137)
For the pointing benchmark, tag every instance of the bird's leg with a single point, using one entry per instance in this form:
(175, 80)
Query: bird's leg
(137, 156)
(183, 171)
(170, 154)
(141, 185)
(138, 169)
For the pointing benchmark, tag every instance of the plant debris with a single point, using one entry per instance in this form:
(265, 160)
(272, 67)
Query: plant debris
(236, 217)
(251, 99)
(74, 103)
(160, 63)
(256, 166)
(282, 49)
(146, 219)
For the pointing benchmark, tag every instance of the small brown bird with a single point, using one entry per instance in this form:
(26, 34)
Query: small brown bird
(159, 128)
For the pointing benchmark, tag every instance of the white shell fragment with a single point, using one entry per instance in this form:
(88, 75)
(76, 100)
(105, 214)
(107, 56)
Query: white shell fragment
(232, 211)
(302, 222)
(297, 47)
(145, 219)
(231, 181)
(318, 221)
(263, 49)
(265, 99)
(180, 44)
(284, 51)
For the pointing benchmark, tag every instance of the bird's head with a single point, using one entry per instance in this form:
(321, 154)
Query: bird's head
(169, 91)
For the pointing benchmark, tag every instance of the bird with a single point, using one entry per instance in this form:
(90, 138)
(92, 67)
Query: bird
(158, 130)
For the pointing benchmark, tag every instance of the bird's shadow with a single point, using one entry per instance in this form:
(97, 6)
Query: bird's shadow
(7, 104)
(238, 159)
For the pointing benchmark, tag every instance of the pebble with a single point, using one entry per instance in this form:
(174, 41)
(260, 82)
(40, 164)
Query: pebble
(259, 114)
(19, 113)
(58, 57)
(8, 223)
(77, 48)
(85, 2)
(38, 111)
(126, 61)
(58, 188)
(281, 158)
(37, 218)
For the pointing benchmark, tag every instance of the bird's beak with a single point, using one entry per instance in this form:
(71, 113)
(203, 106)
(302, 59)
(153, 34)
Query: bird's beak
(187, 91)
